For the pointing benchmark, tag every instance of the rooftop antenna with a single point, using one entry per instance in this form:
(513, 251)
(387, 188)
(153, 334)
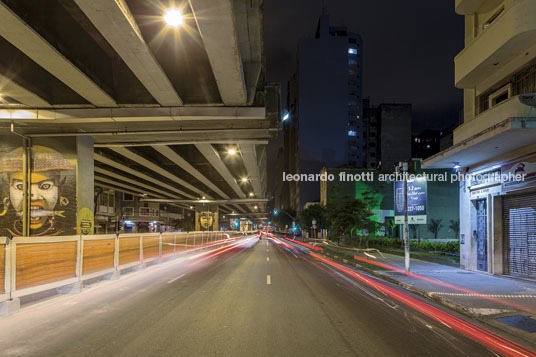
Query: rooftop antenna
(324, 7)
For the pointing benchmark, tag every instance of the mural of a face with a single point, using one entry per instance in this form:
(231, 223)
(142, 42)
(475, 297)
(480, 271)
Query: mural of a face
(44, 196)
(49, 170)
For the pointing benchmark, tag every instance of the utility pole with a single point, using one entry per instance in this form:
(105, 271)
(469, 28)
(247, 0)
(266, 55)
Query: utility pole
(402, 168)
(406, 225)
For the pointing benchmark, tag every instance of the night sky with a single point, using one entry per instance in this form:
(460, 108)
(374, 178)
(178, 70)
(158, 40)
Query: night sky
(409, 47)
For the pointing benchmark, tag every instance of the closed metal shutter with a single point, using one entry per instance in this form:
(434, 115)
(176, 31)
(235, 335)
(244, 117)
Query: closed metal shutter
(519, 229)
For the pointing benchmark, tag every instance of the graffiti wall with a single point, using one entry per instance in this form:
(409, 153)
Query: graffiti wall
(52, 187)
(206, 220)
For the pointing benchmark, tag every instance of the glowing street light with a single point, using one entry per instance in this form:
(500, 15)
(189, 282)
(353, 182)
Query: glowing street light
(231, 151)
(285, 116)
(244, 179)
(256, 207)
(251, 194)
(173, 17)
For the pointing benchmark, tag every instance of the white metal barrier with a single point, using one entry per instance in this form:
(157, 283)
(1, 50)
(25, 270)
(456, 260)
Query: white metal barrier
(29, 265)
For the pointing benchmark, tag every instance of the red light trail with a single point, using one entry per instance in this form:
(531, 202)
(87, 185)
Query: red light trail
(489, 339)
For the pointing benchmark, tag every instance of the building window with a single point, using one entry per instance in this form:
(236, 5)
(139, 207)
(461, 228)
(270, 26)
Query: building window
(144, 211)
(352, 103)
(500, 96)
(352, 62)
(352, 51)
(352, 133)
(352, 72)
(128, 211)
(128, 197)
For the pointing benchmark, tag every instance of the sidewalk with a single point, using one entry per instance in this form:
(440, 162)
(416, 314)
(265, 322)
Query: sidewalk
(481, 296)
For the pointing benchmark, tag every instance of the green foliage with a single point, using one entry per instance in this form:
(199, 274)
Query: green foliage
(428, 246)
(316, 212)
(350, 216)
(434, 226)
(455, 226)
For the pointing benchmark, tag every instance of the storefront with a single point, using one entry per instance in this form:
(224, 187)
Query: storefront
(519, 219)
(498, 218)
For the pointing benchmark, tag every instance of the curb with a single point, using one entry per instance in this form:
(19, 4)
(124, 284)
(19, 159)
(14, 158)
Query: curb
(453, 306)
(458, 308)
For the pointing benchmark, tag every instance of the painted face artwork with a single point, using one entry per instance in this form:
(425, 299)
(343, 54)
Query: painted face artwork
(48, 185)
(44, 196)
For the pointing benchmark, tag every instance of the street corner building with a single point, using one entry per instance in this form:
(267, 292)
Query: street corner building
(497, 72)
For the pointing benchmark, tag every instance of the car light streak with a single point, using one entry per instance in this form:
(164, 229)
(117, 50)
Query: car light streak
(488, 339)
(220, 251)
(447, 285)
(310, 246)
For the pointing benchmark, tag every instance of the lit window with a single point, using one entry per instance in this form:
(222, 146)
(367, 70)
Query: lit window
(352, 62)
(352, 133)
(352, 51)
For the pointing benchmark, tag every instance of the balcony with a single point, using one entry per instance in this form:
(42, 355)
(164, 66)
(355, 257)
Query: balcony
(467, 7)
(508, 36)
(511, 108)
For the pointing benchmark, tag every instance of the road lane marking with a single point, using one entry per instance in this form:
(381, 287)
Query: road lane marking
(175, 279)
(268, 280)
(267, 250)
(266, 243)
(267, 259)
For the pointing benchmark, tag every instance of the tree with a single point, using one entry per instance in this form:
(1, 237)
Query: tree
(350, 216)
(455, 226)
(434, 226)
(313, 212)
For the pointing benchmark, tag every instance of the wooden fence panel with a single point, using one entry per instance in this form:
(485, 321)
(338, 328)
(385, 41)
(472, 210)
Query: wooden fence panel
(168, 241)
(129, 250)
(151, 246)
(43, 263)
(2, 267)
(181, 241)
(98, 255)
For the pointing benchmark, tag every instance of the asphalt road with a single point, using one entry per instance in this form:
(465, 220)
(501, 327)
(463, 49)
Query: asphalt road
(258, 299)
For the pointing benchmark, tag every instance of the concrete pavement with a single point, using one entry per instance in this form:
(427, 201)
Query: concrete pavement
(257, 299)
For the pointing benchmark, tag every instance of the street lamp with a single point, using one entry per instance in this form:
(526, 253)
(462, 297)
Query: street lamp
(285, 117)
(231, 151)
(173, 17)
(244, 179)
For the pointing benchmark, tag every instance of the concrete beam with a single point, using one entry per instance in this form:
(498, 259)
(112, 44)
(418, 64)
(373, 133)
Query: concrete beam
(216, 22)
(250, 162)
(143, 176)
(157, 169)
(115, 22)
(109, 173)
(20, 94)
(183, 142)
(214, 159)
(28, 41)
(136, 114)
(129, 187)
(186, 166)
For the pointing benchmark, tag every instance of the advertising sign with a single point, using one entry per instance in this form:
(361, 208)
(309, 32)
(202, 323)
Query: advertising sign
(416, 202)
(525, 166)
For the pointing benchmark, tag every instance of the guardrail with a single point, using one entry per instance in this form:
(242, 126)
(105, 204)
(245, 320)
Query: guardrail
(29, 265)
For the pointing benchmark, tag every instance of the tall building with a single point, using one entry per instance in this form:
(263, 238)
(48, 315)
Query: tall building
(325, 96)
(386, 135)
(497, 72)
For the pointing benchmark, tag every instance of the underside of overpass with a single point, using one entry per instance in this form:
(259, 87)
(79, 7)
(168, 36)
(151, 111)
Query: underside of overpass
(163, 105)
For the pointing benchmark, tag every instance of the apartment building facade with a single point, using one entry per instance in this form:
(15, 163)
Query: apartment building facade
(497, 72)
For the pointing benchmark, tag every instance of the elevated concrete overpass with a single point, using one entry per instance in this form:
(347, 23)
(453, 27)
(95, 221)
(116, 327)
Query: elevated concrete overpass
(139, 106)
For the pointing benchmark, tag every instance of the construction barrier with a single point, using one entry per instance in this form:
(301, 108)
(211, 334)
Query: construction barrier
(29, 265)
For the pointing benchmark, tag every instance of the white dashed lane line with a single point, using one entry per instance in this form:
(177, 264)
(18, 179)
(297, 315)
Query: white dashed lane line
(175, 279)
(268, 280)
